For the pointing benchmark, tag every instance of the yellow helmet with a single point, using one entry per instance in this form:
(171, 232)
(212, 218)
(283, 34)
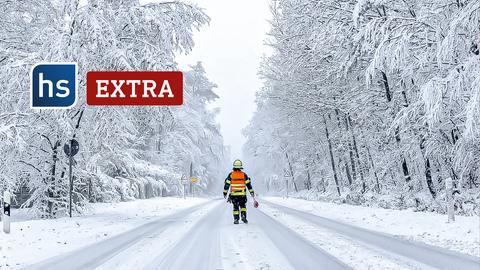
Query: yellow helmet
(237, 164)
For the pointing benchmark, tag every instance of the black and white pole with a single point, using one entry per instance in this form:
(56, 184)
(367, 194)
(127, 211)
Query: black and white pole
(286, 175)
(184, 184)
(7, 200)
(450, 201)
(71, 149)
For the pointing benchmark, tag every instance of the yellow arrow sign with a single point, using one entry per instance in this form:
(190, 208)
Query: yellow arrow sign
(194, 180)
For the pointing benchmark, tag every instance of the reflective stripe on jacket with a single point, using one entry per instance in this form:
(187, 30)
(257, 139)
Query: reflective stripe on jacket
(238, 182)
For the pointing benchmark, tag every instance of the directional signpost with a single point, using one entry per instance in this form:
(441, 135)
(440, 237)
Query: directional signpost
(71, 149)
(194, 180)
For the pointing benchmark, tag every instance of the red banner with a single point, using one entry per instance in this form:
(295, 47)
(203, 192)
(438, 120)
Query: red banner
(105, 88)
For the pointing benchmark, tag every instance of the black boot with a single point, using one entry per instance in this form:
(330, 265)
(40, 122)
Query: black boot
(235, 221)
(244, 217)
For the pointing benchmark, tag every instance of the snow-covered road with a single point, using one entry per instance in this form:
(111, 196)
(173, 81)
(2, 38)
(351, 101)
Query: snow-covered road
(203, 237)
(422, 255)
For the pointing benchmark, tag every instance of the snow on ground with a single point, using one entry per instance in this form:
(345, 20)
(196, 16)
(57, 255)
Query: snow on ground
(430, 228)
(41, 239)
(246, 246)
(359, 256)
(141, 254)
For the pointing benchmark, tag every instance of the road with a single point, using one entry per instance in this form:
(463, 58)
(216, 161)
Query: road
(203, 237)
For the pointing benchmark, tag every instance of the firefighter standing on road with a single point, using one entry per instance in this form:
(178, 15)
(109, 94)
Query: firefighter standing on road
(238, 182)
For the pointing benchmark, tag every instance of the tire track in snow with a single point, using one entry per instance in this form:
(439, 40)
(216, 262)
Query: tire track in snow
(92, 256)
(199, 248)
(356, 254)
(247, 247)
(423, 253)
(300, 252)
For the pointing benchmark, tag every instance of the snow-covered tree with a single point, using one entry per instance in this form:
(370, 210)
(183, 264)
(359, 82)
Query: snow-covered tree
(373, 101)
(113, 163)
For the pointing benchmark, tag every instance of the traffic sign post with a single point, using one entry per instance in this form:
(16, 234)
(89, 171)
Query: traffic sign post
(71, 149)
(7, 201)
(193, 180)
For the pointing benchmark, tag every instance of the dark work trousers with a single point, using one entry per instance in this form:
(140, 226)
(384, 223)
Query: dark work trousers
(239, 206)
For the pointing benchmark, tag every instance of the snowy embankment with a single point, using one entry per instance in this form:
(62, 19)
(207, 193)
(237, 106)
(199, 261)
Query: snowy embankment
(34, 240)
(463, 235)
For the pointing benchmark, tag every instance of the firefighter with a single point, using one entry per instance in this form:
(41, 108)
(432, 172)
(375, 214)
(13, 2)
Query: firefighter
(238, 182)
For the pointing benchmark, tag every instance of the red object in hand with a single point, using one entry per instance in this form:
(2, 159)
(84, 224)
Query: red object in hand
(255, 204)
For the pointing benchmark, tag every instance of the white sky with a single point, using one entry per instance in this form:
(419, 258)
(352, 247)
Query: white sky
(230, 50)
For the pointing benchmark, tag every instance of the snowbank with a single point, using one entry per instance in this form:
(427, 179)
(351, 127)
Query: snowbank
(34, 240)
(430, 228)
(467, 202)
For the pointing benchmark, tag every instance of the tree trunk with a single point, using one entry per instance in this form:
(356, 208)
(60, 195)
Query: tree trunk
(388, 94)
(347, 172)
(377, 185)
(406, 173)
(428, 170)
(335, 177)
(350, 151)
(355, 148)
(308, 183)
(291, 172)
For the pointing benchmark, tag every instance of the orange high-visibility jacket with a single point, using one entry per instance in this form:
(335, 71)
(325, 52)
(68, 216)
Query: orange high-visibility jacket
(238, 182)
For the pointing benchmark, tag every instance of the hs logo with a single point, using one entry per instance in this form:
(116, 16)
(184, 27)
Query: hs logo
(53, 85)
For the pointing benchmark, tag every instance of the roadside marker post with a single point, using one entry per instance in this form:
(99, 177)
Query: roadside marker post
(286, 175)
(184, 183)
(450, 201)
(7, 200)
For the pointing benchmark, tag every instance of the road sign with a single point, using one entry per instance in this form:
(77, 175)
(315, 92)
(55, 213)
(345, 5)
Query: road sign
(287, 174)
(194, 180)
(74, 145)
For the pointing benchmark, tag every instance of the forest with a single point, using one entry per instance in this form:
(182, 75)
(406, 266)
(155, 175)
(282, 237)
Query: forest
(372, 102)
(125, 152)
